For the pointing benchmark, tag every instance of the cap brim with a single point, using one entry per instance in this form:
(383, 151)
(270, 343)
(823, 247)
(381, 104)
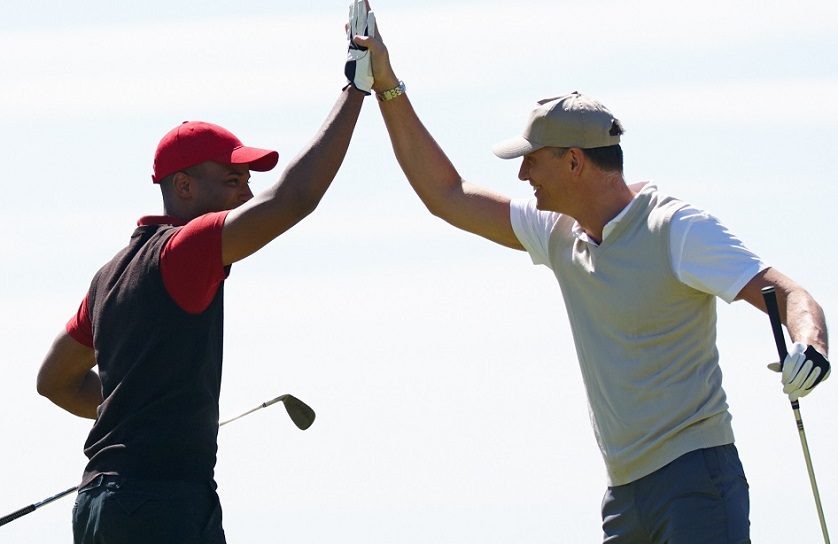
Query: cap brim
(514, 147)
(259, 160)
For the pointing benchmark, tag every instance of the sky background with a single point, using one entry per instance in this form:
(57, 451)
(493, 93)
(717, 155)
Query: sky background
(450, 403)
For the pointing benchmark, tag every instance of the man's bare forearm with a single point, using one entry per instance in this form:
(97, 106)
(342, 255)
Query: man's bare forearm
(80, 399)
(799, 311)
(300, 188)
(310, 173)
(805, 320)
(424, 163)
(67, 378)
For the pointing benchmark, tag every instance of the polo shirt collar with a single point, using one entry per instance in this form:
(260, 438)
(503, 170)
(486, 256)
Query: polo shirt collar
(611, 225)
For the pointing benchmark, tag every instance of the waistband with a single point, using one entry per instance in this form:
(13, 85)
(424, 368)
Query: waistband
(117, 482)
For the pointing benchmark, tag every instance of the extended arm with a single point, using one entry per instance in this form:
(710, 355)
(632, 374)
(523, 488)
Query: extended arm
(67, 378)
(428, 169)
(299, 189)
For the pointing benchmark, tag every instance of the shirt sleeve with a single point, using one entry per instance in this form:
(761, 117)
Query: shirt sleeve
(533, 228)
(708, 257)
(80, 328)
(191, 263)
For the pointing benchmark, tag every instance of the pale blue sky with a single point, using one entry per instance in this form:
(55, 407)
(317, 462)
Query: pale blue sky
(450, 405)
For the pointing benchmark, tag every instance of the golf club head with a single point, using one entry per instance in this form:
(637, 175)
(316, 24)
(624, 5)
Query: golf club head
(300, 413)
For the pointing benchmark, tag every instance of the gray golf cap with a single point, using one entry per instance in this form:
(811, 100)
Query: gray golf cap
(572, 120)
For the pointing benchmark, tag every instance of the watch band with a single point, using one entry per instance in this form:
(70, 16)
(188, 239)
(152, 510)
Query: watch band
(390, 94)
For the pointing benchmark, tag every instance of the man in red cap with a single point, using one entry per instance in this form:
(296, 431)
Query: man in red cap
(152, 321)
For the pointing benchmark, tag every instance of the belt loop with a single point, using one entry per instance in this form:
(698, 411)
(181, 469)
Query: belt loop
(98, 481)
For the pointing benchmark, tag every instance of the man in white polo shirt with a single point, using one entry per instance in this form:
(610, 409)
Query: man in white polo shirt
(640, 272)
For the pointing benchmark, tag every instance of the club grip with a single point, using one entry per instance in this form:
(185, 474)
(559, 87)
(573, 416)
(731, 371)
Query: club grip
(770, 297)
(14, 515)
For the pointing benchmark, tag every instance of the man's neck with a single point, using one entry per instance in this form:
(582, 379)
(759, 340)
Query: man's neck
(181, 215)
(608, 198)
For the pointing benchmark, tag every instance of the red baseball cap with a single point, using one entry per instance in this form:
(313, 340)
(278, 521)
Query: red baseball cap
(194, 142)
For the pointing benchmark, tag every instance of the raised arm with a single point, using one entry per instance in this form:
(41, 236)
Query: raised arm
(427, 168)
(300, 188)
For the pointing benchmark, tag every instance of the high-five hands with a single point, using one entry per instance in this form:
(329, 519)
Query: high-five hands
(358, 68)
(803, 369)
(382, 79)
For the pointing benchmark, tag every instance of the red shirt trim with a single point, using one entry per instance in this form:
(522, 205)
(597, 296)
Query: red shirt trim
(190, 264)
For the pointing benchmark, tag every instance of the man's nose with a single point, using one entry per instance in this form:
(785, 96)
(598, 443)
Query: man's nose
(523, 172)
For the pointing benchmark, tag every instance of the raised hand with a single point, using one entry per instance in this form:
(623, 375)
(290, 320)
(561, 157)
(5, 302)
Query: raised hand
(358, 68)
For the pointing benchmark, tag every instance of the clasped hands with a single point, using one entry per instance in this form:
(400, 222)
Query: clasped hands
(366, 54)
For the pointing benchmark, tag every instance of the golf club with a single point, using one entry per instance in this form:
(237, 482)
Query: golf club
(300, 413)
(770, 297)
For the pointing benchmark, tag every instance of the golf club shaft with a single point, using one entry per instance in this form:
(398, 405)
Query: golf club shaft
(263, 405)
(32, 507)
(805, 445)
(770, 298)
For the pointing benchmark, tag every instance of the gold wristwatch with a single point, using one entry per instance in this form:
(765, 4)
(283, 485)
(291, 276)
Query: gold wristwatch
(390, 94)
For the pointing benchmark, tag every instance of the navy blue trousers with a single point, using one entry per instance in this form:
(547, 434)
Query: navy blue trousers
(699, 498)
(114, 510)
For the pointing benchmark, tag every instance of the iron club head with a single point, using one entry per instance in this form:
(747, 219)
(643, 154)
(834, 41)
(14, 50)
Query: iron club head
(300, 413)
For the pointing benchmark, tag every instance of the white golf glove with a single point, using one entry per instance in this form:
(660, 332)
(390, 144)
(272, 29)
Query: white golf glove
(803, 369)
(358, 68)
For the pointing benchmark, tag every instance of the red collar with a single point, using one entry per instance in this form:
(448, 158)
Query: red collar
(160, 220)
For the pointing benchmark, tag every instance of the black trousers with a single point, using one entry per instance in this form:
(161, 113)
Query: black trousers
(116, 510)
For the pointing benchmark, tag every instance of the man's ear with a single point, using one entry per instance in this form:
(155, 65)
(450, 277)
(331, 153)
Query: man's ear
(183, 186)
(577, 159)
